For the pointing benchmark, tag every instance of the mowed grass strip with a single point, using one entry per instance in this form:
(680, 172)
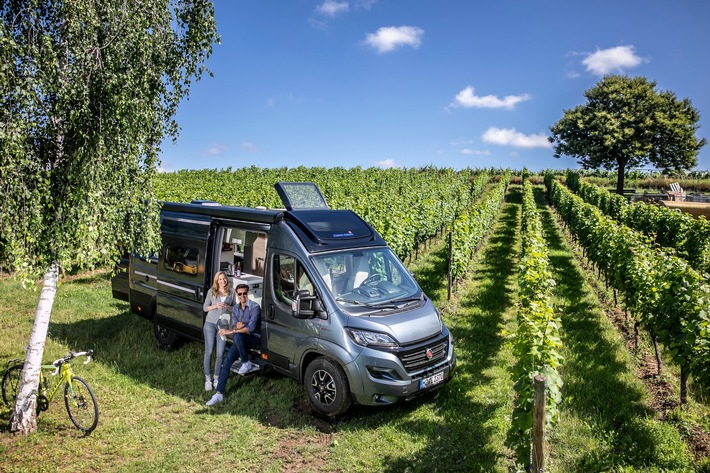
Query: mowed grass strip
(606, 423)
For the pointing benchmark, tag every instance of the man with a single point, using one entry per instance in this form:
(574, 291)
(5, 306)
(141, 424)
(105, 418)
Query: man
(246, 329)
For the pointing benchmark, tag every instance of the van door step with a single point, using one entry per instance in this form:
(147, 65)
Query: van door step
(237, 364)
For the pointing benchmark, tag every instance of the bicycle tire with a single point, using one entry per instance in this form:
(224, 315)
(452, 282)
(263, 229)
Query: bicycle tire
(11, 383)
(81, 404)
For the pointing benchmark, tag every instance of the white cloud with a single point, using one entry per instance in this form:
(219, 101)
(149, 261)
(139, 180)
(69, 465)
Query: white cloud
(365, 4)
(604, 61)
(461, 142)
(332, 8)
(475, 152)
(386, 164)
(467, 98)
(248, 146)
(512, 137)
(215, 150)
(389, 38)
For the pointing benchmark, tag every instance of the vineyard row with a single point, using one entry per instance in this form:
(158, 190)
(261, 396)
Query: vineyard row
(688, 236)
(666, 296)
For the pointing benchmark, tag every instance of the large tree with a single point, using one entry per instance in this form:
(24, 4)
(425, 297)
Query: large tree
(88, 92)
(626, 123)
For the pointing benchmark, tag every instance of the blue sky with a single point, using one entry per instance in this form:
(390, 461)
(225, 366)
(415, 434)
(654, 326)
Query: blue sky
(411, 83)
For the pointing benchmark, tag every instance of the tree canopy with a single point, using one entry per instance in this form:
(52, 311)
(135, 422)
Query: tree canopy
(88, 92)
(626, 123)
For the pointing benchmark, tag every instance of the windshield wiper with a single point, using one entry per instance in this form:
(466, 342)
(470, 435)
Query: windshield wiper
(386, 305)
(353, 301)
(406, 300)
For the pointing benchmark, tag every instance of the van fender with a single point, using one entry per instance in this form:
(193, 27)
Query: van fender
(313, 348)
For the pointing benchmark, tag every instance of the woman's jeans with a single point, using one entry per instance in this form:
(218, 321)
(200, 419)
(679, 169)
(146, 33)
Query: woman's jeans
(210, 331)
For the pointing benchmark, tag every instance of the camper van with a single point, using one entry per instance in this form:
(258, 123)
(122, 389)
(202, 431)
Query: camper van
(339, 311)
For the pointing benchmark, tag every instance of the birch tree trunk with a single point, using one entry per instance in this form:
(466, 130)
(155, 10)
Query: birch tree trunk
(24, 415)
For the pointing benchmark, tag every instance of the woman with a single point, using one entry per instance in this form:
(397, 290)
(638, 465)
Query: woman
(219, 300)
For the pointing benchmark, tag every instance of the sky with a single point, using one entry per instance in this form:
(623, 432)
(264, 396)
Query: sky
(414, 83)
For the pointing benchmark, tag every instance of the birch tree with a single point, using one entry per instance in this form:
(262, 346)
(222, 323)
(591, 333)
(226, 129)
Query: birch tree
(88, 91)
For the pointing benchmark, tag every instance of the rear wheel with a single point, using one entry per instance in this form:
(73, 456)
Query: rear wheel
(327, 387)
(11, 383)
(81, 404)
(167, 339)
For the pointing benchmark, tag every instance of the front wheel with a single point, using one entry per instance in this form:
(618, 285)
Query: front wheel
(11, 383)
(327, 387)
(81, 404)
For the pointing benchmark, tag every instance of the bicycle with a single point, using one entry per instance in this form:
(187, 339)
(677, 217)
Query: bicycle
(78, 397)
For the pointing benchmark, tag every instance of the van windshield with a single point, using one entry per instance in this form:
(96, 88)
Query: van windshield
(372, 278)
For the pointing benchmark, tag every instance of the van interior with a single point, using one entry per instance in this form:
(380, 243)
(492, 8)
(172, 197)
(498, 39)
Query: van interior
(243, 250)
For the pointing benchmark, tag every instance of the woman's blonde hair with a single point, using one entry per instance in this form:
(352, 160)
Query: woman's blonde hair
(215, 284)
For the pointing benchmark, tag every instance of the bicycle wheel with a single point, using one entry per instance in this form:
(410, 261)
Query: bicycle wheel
(11, 383)
(81, 404)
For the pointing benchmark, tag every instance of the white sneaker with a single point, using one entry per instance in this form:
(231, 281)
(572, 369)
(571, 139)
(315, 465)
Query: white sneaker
(246, 366)
(215, 399)
(208, 384)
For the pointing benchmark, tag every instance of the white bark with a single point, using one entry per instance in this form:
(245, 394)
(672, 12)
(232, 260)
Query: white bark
(24, 415)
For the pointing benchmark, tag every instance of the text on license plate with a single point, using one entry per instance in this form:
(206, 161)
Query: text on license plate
(431, 380)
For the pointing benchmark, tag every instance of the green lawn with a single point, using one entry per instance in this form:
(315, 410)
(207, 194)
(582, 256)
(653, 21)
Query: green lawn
(153, 416)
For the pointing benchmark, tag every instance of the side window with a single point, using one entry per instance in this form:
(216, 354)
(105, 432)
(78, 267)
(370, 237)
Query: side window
(396, 276)
(283, 273)
(303, 282)
(289, 277)
(181, 259)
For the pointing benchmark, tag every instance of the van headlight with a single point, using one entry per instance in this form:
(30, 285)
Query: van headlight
(365, 338)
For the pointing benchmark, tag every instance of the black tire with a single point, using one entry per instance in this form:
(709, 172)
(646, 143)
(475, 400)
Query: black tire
(11, 383)
(327, 387)
(81, 405)
(167, 339)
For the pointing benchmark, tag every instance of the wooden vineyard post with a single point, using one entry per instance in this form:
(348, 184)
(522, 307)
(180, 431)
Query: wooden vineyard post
(538, 427)
(451, 258)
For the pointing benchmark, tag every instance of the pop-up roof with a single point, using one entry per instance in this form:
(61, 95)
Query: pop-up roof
(300, 195)
(318, 227)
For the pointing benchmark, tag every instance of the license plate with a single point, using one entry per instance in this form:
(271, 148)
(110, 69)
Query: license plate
(432, 380)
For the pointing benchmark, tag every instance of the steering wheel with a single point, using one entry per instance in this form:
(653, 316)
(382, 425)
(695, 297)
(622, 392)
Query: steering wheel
(370, 279)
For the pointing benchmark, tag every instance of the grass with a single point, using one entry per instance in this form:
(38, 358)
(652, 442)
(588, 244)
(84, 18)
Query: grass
(153, 416)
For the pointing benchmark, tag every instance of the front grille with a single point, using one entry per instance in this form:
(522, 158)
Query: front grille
(417, 358)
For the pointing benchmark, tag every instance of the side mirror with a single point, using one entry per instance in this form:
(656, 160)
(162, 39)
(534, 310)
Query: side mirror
(306, 306)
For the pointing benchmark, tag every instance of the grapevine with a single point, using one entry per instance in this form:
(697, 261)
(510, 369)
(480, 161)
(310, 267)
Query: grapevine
(537, 345)
(668, 297)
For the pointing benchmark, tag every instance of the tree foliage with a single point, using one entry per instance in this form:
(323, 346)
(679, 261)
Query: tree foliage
(88, 93)
(626, 123)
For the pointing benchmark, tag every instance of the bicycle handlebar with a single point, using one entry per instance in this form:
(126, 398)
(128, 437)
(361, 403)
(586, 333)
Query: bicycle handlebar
(71, 355)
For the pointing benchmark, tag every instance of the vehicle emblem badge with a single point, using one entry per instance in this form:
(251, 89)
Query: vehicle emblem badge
(429, 354)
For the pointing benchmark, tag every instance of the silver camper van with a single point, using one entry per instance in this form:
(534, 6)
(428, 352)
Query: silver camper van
(339, 311)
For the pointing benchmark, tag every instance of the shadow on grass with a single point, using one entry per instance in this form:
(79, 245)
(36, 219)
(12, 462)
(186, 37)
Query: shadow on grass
(598, 387)
(467, 434)
(125, 342)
